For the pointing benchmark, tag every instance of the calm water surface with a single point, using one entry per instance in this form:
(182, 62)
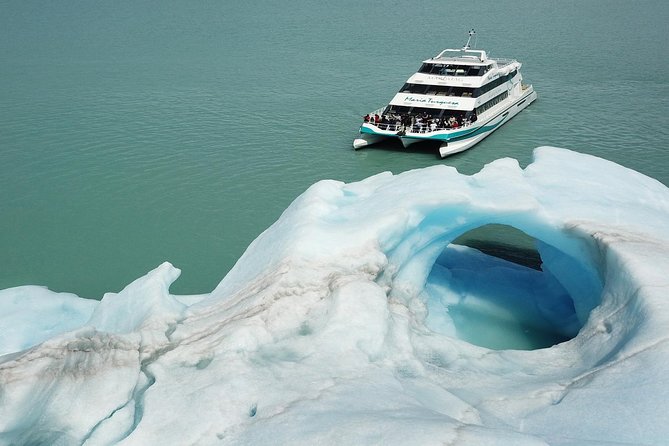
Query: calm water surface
(137, 132)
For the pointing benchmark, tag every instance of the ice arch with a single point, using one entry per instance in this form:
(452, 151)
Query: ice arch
(488, 301)
(498, 294)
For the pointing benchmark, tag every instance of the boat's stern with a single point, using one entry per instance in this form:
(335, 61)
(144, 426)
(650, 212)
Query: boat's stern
(371, 134)
(366, 139)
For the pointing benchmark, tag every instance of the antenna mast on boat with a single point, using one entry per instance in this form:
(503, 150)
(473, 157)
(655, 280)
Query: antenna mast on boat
(472, 33)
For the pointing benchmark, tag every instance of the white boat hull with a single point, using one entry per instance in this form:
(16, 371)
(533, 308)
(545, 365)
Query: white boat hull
(453, 147)
(406, 142)
(366, 139)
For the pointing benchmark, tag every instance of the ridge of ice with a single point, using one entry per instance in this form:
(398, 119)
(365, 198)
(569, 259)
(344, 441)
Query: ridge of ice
(340, 324)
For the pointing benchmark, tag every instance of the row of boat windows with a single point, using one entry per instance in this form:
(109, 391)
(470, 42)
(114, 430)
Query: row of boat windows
(454, 70)
(442, 90)
(491, 103)
(437, 113)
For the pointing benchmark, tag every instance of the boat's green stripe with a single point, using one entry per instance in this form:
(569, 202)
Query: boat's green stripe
(450, 137)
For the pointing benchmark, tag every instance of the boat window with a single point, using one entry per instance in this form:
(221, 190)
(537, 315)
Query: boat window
(459, 91)
(491, 103)
(439, 90)
(452, 70)
(397, 110)
(438, 69)
(414, 88)
(425, 68)
(431, 112)
(496, 83)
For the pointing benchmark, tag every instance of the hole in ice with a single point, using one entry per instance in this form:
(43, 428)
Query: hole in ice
(488, 287)
(504, 242)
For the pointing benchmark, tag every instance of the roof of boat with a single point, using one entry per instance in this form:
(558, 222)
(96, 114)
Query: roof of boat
(466, 56)
(461, 56)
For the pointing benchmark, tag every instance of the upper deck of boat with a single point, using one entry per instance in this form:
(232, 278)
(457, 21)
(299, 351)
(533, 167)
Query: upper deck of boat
(466, 56)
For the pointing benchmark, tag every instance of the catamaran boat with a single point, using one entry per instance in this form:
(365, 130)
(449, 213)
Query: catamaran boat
(456, 99)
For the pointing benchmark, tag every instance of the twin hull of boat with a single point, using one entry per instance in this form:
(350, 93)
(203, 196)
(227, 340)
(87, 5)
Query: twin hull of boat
(452, 141)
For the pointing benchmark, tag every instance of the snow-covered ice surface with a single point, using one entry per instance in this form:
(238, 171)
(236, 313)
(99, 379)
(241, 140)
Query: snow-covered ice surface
(353, 320)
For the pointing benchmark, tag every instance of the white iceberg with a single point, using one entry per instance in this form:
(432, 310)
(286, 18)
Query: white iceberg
(354, 320)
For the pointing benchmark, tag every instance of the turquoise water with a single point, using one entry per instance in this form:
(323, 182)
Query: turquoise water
(137, 132)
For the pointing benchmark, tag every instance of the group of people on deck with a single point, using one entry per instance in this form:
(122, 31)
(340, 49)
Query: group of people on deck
(420, 123)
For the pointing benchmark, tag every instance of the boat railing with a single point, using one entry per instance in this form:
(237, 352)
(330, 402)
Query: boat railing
(415, 128)
(378, 111)
(502, 62)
